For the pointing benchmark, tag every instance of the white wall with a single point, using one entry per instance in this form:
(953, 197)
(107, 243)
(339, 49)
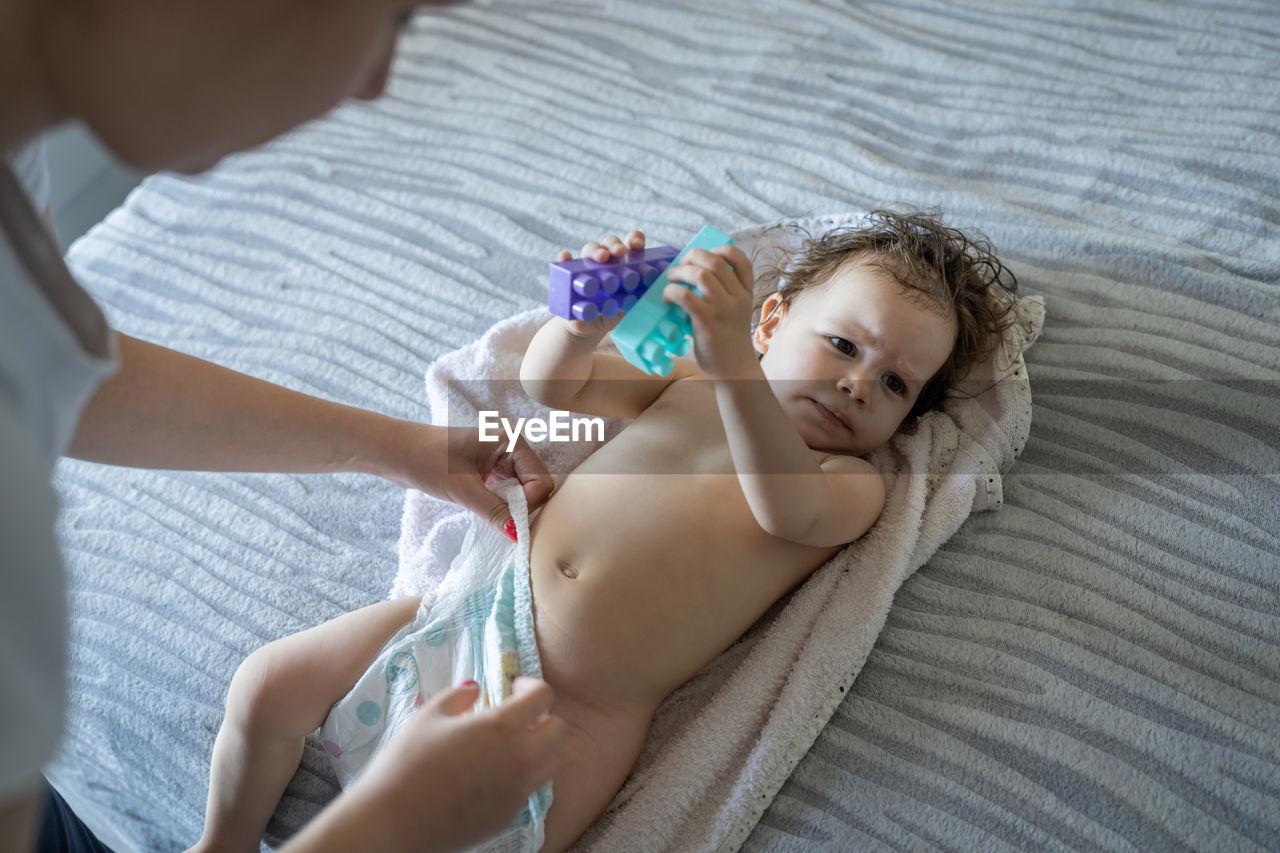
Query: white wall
(87, 182)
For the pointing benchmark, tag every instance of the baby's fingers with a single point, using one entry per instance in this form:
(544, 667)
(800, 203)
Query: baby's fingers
(703, 271)
(740, 264)
(613, 247)
(685, 298)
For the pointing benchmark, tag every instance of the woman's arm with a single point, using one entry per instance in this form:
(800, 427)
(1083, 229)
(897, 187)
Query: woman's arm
(166, 409)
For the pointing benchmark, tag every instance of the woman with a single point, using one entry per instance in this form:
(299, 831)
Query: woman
(177, 86)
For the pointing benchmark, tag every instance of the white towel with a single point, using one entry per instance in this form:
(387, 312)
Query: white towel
(722, 744)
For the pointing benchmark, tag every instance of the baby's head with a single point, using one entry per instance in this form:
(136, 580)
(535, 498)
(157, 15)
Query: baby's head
(873, 325)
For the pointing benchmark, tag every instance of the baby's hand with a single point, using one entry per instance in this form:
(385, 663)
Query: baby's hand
(719, 311)
(607, 249)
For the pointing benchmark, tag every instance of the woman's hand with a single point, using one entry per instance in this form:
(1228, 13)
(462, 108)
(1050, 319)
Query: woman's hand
(607, 249)
(719, 308)
(453, 464)
(450, 778)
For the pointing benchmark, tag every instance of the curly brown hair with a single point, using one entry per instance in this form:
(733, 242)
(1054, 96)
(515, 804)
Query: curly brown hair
(957, 273)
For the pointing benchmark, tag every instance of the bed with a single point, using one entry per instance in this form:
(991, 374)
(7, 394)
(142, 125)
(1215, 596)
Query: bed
(1094, 666)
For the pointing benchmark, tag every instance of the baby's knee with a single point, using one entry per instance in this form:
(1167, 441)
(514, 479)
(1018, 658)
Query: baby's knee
(256, 686)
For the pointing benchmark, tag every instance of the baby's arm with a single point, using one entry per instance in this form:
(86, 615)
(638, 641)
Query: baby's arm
(791, 495)
(562, 369)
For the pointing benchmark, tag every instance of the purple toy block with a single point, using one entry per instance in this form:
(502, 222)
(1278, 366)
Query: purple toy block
(583, 289)
(656, 332)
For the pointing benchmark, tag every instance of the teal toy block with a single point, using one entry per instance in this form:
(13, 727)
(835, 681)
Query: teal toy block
(655, 332)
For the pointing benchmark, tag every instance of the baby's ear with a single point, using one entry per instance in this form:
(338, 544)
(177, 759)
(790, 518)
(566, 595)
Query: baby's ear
(771, 314)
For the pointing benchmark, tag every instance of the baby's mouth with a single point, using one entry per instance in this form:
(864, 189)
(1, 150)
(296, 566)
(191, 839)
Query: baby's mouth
(831, 416)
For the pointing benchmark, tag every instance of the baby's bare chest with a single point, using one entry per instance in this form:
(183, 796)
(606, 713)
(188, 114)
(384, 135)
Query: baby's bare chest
(666, 493)
(681, 433)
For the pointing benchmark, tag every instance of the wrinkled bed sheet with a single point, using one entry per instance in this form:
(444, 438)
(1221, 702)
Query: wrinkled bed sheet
(1094, 666)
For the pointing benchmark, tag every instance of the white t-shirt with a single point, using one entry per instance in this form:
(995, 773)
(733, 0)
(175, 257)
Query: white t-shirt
(32, 168)
(55, 350)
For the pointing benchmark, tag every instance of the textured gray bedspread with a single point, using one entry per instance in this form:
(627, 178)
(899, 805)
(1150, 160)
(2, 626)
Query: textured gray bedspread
(1097, 665)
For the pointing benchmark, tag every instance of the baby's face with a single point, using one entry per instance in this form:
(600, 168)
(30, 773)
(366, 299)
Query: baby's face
(847, 359)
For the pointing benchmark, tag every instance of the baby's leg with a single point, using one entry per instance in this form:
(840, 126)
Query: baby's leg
(598, 753)
(280, 694)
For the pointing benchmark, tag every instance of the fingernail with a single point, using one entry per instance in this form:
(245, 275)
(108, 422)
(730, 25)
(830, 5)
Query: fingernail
(469, 683)
(510, 529)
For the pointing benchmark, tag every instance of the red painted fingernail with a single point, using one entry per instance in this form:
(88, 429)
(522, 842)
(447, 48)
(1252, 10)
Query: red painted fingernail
(510, 529)
(469, 683)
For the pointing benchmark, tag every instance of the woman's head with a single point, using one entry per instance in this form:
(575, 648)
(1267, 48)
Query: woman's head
(178, 84)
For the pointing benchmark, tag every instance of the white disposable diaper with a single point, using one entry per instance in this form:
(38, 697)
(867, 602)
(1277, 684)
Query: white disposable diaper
(477, 626)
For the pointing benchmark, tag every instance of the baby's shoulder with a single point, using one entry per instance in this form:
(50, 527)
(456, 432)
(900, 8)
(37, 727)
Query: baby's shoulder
(839, 463)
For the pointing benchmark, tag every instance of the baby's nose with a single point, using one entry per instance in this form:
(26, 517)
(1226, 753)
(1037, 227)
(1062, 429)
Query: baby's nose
(855, 387)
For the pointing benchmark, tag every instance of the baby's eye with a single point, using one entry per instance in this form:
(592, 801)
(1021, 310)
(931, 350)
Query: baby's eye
(895, 384)
(844, 346)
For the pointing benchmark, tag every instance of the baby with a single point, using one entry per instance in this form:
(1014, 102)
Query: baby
(741, 473)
